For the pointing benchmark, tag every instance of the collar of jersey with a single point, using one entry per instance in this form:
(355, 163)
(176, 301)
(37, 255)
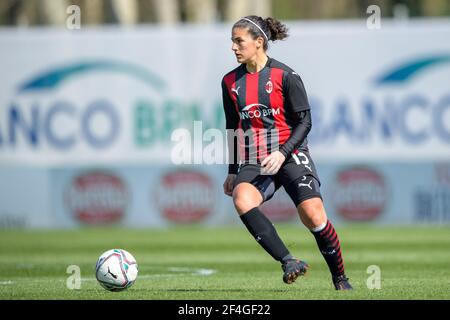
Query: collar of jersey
(269, 59)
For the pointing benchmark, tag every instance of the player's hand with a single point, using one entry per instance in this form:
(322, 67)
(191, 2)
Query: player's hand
(272, 163)
(228, 184)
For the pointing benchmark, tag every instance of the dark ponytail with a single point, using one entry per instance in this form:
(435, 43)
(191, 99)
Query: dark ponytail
(278, 31)
(272, 29)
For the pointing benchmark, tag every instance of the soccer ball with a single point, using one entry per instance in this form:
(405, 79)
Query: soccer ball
(116, 270)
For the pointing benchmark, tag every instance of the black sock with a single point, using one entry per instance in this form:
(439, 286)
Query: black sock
(265, 234)
(328, 242)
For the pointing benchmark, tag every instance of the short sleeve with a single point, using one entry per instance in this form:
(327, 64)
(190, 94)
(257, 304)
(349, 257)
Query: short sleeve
(295, 93)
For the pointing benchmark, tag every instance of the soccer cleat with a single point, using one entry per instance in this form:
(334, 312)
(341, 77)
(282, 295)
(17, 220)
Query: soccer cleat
(341, 283)
(292, 269)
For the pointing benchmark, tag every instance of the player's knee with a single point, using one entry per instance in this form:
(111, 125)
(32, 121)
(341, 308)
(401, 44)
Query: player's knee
(312, 213)
(316, 219)
(245, 198)
(243, 204)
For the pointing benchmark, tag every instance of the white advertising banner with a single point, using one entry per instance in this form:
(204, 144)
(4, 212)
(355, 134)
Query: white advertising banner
(87, 117)
(168, 195)
(25, 198)
(114, 95)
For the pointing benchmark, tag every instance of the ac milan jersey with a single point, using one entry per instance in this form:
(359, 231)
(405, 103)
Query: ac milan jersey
(262, 107)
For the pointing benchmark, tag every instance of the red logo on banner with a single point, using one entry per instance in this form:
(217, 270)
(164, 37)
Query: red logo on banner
(97, 198)
(185, 196)
(360, 193)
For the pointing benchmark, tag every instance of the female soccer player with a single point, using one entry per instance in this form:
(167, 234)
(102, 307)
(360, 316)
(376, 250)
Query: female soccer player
(267, 110)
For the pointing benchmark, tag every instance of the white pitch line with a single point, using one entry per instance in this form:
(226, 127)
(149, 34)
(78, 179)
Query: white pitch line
(177, 272)
(194, 271)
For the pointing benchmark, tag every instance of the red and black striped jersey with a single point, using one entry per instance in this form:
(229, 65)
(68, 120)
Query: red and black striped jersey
(262, 108)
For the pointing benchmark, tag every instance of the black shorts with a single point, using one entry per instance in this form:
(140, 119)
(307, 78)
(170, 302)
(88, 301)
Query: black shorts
(297, 175)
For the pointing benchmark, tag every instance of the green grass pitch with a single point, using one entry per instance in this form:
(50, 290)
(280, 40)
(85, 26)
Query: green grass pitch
(225, 263)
